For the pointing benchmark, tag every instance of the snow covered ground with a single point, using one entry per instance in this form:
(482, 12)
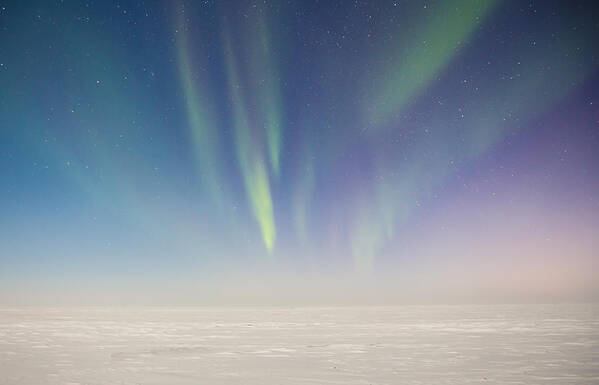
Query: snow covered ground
(528, 344)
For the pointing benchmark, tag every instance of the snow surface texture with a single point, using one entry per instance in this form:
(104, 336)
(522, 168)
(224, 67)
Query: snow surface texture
(540, 344)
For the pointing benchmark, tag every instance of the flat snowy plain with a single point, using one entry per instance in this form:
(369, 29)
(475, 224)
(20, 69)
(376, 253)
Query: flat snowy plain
(524, 344)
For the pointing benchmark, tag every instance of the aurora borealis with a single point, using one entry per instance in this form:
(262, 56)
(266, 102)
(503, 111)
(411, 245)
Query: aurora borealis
(213, 151)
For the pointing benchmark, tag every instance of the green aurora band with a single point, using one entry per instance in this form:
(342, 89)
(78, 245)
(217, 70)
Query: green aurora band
(249, 155)
(501, 110)
(204, 133)
(420, 58)
(390, 195)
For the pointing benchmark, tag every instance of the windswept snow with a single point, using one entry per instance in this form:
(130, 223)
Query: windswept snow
(527, 344)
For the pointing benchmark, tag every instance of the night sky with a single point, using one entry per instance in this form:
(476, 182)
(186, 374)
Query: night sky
(298, 151)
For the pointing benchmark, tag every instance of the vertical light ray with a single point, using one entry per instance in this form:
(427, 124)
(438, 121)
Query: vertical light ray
(268, 92)
(257, 183)
(367, 238)
(204, 133)
(302, 197)
(249, 157)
